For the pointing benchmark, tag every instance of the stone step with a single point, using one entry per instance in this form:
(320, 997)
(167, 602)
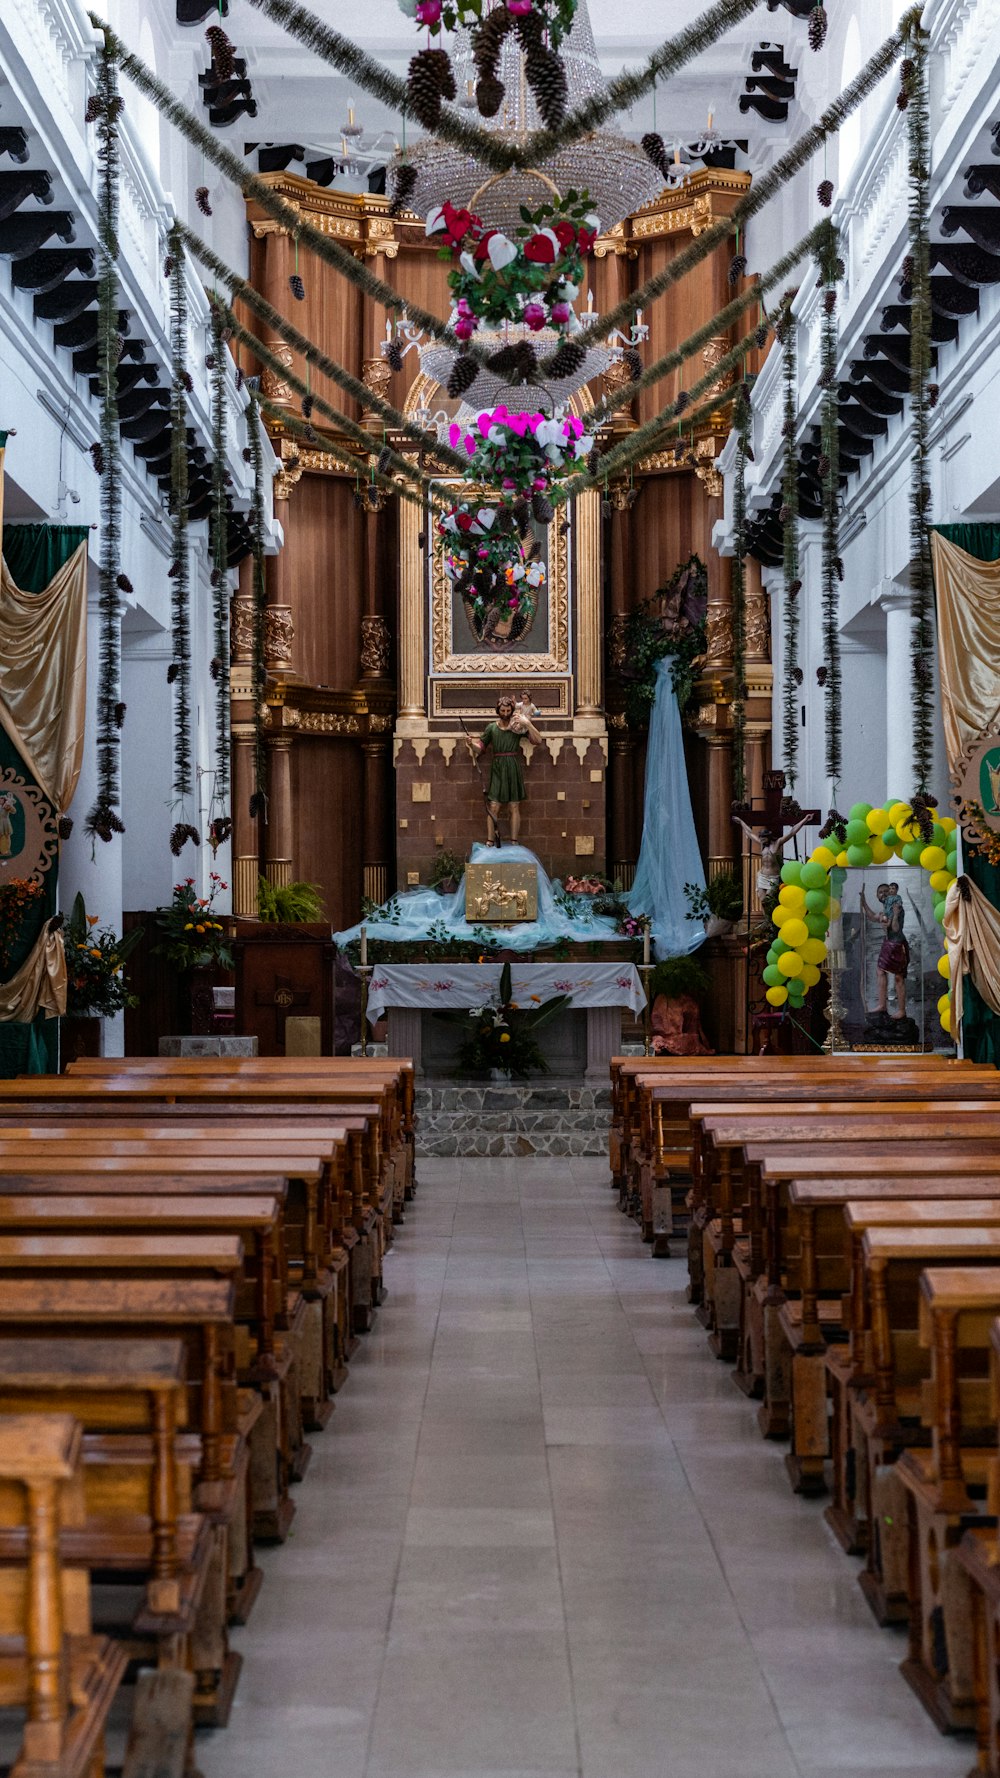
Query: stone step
(509, 1120)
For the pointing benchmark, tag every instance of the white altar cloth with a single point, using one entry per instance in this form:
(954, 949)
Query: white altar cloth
(427, 985)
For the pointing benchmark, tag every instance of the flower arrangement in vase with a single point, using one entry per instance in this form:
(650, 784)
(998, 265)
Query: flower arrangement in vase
(193, 935)
(500, 1033)
(17, 895)
(533, 278)
(95, 958)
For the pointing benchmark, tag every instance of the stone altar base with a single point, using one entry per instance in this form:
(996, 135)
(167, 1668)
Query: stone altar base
(528, 1117)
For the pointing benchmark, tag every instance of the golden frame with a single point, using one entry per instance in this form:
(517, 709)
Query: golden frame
(444, 659)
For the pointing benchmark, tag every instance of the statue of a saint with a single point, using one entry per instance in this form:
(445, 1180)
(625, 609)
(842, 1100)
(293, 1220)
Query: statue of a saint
(894, 952)
(506, 785)
(771, 847)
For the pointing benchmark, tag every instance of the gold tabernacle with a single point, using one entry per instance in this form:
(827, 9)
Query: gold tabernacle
(501, 893)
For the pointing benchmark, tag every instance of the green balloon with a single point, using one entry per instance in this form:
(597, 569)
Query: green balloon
(940, 837)
(817, 901)
(890, 837)
(858, 811)
(859, 856)
(779, 945)
(939, 912)
(813, 876)
(817, 925)
(791, 872)
(796, 999)
(773, 977)
(857, 833)
(912, 851)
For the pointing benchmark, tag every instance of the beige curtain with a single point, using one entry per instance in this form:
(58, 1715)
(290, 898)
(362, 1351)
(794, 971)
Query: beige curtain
(972, 931)
(40, 983)
(968, 614)
(43, 675)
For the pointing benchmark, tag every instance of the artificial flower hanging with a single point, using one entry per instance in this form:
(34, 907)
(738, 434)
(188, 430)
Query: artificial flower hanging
(533, 278)
(522, 454)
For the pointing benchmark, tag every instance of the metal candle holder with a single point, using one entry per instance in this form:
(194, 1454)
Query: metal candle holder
(364, 971)
(835, 1008)
(646, 970)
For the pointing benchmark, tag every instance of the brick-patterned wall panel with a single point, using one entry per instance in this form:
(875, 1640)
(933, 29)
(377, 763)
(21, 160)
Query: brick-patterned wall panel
(439, 803)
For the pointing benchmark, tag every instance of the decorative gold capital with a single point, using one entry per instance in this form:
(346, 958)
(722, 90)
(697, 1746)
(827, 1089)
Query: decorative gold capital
(376, 644)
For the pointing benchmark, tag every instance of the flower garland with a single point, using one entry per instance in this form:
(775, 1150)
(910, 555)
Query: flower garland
(179, 671)
(830, 270)
(522, 454)
(557, 15)
(104, 109)
(258, 670)
(534, 278)
(218, 535)
(789, 515)
(913, 98)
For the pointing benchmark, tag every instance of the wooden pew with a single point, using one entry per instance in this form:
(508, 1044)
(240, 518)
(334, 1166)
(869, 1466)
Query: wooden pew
(53, 1669)
(978, 1555)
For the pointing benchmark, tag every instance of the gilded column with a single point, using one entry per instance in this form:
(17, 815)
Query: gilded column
(278, 863)
(376, 638)
(588, 594)
(412, 614)
(622, 824)
(375, 841)
(713, 721)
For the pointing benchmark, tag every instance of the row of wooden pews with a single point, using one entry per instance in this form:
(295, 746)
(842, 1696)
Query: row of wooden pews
(842, 1223)
(189, 1254)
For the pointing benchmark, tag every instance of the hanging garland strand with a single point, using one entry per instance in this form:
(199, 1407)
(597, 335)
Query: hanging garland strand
(245, 293)
(913, 96)
(218, 535)
(741, 422)
(786, 332)
(258, 669)
(179, 671)
(359, 466)
(830, 271)
(500, 153)
(104, 109)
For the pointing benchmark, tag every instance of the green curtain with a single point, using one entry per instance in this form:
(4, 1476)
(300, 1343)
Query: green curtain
(980, 1026)
(34, 554)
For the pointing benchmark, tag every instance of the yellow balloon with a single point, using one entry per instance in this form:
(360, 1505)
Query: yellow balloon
(780, 915)
(933, 858)
(834, 909)
(939, 880)
(776, 996)
(944, 1001)
(822, 855)
(945, 1018)
(880, 851)
(810, 975)
(877, 820)
(944, 965)
(898, 813)
(790, 963)
(813, 951)
(948, 822)
(842, 860)
(792, 895)
(905, 830)
(795, 932)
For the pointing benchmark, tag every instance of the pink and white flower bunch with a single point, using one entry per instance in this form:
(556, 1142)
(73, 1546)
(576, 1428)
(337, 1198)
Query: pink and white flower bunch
(522, 453)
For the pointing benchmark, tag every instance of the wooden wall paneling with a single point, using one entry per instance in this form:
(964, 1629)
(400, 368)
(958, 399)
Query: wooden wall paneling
(324, 545)
(327, 798)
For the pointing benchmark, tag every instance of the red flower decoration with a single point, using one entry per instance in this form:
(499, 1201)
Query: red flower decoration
(464, 521)
(482, 249)
(540, 250)
(565, 233)
(586, 238)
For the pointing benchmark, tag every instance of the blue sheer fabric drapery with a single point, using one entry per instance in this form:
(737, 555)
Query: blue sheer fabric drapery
(669, 855)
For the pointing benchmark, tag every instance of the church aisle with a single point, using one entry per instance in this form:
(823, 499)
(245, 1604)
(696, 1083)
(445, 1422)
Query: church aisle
(541, 1537)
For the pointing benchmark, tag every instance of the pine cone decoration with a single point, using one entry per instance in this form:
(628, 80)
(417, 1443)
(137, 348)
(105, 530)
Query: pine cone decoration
(223, 53)
(902, 99)
(933, 392)
(64, 826)
(683, 401)
(605, 509)
(258, 803)
(215, 667)
(823, 466)
(123, 584)
(821, 675)
(760, 336)
(307, 406)
(93, 110)
(97, 458)
(737, 269)
(567, 359)
(829, 301)
(464, 372)
(99, 825)
(487, 41)
(297, 287)
(201, 199)
(594, 461)
(547, 79)
(827, 379)
(119, 714)
(542, 510)
(632, 360)
(798, 675)
(384, 461)
(423, 88)
(521, 512)
(794, 589)
(489, 95)
(247, 454)
(172, 672)
(504, 360)
(655, 150)
(394, 356)
(817, 27)
(168, 266)
(178, 834)
(838, 567)
(824, 192)
(404, 184)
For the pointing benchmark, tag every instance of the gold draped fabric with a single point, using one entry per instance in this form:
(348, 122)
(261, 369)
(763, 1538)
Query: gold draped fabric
(972, 931)
(40, 983)
(968, 613)
(43, 675)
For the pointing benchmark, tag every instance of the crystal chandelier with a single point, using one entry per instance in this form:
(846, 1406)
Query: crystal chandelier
(615, 172)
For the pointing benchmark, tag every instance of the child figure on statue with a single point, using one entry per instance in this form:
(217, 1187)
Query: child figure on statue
(524, 710)
(506, 786)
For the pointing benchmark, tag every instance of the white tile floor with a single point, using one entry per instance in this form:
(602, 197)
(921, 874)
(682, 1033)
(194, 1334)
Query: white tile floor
(542, 1538)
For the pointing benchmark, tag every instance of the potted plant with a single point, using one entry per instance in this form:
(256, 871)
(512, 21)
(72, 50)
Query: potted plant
(289, 904)
(500, 1037)
(446, 873)
(95, 985)
(718, 905)
(677, 986)
(196, 942)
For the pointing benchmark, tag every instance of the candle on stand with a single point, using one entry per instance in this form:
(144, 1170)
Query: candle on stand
(645, 943)
(364, 946)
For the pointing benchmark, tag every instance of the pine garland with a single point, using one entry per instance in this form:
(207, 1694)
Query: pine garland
(502, 153)
(914, 89)
(258, 669)
(358, 466)
(741, 422)
(830, 271)
(104, 818)
(180, 567)
(218, 533)
(790, 540)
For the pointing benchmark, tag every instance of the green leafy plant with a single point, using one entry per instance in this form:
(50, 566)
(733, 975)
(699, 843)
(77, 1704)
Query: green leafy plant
(671, 622)
(193, 935)
(446, 866)
(721, 899)
(500, 1033)
(676, 976)
(289, 904)
(95, 958)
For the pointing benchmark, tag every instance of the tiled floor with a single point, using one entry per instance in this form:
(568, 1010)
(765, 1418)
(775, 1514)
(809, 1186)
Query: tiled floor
(541, 1536)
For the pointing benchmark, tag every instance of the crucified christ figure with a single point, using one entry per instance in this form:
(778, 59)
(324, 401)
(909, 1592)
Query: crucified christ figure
(771, 847)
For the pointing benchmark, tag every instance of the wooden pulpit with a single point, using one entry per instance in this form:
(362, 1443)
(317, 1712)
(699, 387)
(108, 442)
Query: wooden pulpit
(284, 987)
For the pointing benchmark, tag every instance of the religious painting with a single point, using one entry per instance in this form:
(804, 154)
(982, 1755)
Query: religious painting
(889, 985)
(28, 838)
(479, 628)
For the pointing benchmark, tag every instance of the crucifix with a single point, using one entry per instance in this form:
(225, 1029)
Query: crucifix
(772, 842)
(283, 999)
